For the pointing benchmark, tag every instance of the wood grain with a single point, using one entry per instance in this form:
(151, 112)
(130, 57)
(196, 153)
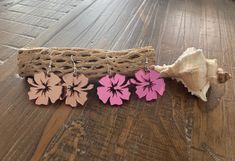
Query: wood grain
(52, 127)
(172, 128)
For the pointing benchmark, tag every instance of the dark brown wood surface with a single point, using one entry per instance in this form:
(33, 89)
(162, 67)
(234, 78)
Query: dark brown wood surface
(176, 127)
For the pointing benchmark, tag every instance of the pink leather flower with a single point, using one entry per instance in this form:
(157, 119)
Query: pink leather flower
(44, 87)
(148, 84)
(76, 87)
(115, 89)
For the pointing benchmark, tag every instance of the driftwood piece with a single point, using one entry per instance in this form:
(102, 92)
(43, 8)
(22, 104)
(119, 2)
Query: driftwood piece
(93, 63)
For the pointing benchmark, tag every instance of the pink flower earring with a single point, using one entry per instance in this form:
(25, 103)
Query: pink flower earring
(113, 88)
(148, 84)
(45, 86)
(76, 87)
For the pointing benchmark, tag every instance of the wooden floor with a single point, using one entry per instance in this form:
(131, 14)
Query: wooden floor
(177, 127)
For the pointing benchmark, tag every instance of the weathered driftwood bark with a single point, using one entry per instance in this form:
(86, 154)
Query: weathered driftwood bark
(93, 63)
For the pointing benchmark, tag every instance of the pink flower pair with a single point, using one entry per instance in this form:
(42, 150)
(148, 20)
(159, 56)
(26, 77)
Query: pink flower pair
(148, 84)
(45, 87)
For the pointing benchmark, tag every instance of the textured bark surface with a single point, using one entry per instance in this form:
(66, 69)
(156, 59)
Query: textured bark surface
(94, 63)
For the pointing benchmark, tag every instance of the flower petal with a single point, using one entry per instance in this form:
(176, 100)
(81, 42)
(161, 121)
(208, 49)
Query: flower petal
(141, 75)
(31, 82)
(118, 79)
(82, 80)
(104, 94)
(115, 100)
(151, 95)
(125, 94)
(105, 81)
(53, 79)
(141, 91)
(81, 98)
(89, 87)
(133, 81)
(34, 93)
(159, 86)
(68, 79)
(40, 78)
(71, 100)
(153, 75)
(125, 85)
(42, 100)
(54, 93)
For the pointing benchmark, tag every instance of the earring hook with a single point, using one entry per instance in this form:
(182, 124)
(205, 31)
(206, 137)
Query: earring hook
(74, 65)
(146, 62)
(50, 63)
(108, 67)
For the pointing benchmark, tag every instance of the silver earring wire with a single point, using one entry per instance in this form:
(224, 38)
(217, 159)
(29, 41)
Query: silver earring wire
(75, 70)
(146, 63)
(50, 62)
(108, 67)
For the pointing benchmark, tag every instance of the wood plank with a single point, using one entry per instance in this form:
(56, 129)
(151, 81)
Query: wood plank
(5, 4)
(212, 127)
(6, 52)
(55, 15)
(9, 15)
(83, 23)
(41, 12)
(21, 8)
(172, 128)
(73, 3)
(47, 5)
(20, 28)
(230, 124)
(53, 126)
(36, 21)
(14, 40)
(27, 19)
(19, 128)
(57, 27)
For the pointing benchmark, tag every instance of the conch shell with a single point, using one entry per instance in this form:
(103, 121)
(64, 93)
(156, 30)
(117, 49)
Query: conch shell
(195, 72)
